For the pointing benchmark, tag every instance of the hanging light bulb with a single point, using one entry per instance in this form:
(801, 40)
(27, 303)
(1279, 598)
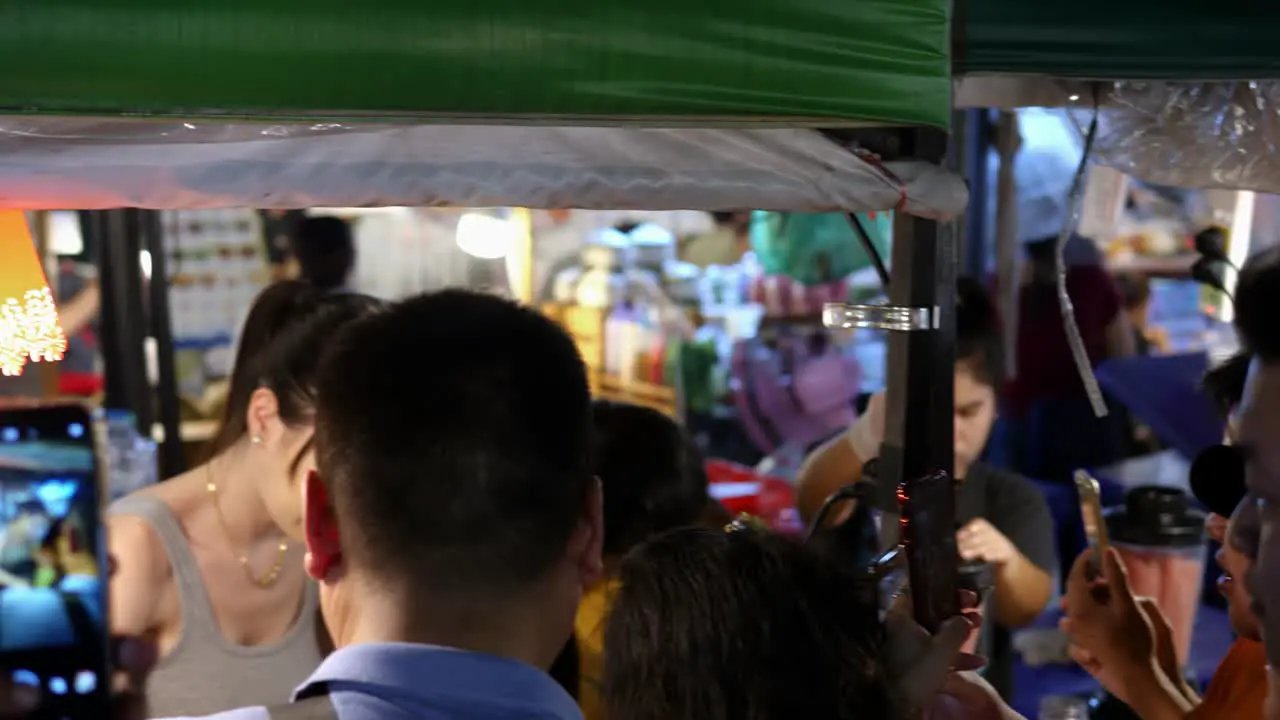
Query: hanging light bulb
(29, 329)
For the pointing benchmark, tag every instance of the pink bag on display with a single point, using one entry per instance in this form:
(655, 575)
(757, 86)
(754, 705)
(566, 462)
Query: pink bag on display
(795, 391)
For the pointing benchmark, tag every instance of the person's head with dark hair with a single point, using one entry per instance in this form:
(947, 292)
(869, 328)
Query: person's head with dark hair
(455, 502)
(1255, 529)
(651, 472)
(271, 400)
(722, 625)
(653, 480)
(325, 251)
(1224, 384)
(736, 220)
(1135, 290)
(1257, 296)
(1043, 256)
(980, 371)
(1135, 293)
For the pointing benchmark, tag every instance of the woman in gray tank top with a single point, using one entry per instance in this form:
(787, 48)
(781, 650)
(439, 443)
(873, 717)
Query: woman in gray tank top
(209, 562)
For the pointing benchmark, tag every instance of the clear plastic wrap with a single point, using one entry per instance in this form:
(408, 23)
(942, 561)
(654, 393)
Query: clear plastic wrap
(1201, 135)
(53, 163)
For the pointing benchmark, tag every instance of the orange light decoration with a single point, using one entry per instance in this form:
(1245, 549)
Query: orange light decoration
(29, 329)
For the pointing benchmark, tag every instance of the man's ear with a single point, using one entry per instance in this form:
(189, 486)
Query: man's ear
(320, 528)
(587, 545)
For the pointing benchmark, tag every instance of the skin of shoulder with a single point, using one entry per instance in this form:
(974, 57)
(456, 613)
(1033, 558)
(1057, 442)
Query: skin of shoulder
(140, 570)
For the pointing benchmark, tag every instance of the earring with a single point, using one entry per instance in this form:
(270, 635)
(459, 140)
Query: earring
(256, 439)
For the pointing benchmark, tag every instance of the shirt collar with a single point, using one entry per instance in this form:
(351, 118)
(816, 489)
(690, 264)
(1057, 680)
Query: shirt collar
(426, 672)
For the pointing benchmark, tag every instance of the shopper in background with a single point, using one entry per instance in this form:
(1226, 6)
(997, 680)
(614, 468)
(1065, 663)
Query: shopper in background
(325, 251)
(1256, 528)
(723, 245)
(1135, 291)
(1056, 428)
(1127, 644)
(720, 625)
(1005, 520)
(209, 561)
(741, 623)
(653, 480)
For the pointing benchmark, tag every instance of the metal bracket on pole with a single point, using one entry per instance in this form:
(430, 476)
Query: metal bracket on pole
(839, 316)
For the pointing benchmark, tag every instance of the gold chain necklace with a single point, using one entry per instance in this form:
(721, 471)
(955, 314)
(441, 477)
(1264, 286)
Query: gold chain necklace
(268, 579)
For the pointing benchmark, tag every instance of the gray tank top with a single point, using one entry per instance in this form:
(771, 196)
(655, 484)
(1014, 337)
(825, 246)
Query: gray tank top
(204, 673)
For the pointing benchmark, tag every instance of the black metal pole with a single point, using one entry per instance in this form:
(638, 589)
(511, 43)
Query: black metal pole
(122, 313)
(173, 460)
(977, 138)
(919, 412)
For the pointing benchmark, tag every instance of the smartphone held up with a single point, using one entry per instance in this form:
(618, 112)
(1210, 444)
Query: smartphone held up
(1095, 525)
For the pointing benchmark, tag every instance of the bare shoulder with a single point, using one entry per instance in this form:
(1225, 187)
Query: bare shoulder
(136, 548)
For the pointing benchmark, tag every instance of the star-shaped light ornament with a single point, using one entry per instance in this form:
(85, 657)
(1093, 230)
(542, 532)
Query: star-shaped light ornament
(29, 329)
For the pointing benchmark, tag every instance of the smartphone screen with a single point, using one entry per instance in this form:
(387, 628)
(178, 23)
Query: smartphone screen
(53, 610)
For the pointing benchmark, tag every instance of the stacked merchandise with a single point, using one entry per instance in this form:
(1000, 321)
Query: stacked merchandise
(216, 265)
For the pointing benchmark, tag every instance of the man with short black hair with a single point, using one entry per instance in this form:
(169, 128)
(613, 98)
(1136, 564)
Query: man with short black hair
(454, 519)
(325, 251)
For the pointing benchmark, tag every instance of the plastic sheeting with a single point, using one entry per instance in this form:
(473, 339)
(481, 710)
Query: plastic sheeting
(49, 163)
(1199, 135)
(797, 62)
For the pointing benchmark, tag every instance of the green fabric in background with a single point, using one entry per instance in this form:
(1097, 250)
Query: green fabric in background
(821, 62)
(814, 248)
(1120, 39)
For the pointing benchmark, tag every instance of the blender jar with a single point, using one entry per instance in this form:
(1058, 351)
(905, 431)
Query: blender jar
(1160, 538)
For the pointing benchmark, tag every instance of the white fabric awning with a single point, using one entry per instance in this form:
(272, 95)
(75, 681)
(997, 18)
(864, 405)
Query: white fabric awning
(48, 163)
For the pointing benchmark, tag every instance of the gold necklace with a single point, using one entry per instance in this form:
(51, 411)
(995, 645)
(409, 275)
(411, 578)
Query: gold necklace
(268, 579)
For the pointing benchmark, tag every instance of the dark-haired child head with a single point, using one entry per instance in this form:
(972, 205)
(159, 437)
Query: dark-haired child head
(726, 626)
(651, 473)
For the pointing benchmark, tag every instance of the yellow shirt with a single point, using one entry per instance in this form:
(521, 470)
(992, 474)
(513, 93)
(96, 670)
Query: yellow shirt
(589, 628)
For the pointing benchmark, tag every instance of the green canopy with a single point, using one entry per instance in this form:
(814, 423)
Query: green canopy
(798, 62)
(1119, 39)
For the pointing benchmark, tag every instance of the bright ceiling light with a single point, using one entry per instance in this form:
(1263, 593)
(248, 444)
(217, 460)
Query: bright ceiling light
(486, 237)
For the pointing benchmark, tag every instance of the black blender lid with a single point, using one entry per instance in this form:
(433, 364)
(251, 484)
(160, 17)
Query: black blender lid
(1155, 516)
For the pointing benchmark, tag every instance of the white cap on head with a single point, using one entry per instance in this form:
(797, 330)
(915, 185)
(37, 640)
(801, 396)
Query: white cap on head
(1043, 173)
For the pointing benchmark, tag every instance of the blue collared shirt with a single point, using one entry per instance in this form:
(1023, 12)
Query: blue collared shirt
(402, 681)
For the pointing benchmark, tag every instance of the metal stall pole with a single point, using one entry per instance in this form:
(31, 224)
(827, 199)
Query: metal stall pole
(173, 460)
(123, 327)
(977, 138)
(917, 458)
